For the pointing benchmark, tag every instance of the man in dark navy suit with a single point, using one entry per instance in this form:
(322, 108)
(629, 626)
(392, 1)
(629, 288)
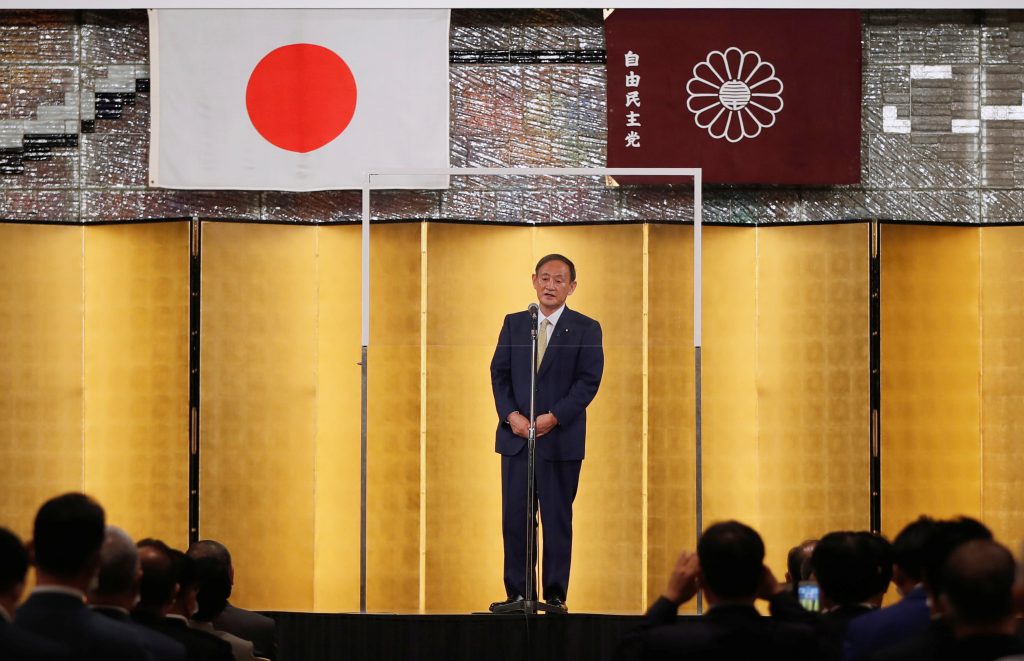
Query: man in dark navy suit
(570, 364)
(912, 615)
(66, 542)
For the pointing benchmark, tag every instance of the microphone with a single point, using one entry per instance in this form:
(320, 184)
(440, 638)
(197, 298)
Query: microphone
(533, 310)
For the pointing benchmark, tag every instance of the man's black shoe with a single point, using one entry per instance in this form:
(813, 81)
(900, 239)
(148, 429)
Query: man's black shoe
(498, 605)
(558, 603)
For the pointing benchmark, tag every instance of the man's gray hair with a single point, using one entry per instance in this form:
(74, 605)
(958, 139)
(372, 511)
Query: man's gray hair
(119, 563)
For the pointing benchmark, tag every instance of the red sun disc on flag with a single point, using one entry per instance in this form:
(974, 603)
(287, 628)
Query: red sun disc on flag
(300, 97)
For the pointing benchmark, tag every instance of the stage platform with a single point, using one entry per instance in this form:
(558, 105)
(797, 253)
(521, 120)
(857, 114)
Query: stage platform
(477, 637)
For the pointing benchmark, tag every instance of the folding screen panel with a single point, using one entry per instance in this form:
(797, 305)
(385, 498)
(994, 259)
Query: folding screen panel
(259, 407)
(484, 273)
(1002, 381)
(785, 438)
(608, 542)
(136, 376)
(337, 467)
(393, 535)
(280, 460)
(94, 372)
(952, 381)
(475, 275)
(931, 356)
(813, 382)
(40, 368)
(729, 376)
(670, 476)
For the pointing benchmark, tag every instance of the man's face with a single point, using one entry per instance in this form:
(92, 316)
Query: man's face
(553, 285)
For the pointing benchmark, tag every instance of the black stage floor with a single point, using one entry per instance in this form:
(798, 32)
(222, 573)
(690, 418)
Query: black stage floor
(484, 637)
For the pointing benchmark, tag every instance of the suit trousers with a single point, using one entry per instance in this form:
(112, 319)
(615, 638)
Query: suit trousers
(556, 483)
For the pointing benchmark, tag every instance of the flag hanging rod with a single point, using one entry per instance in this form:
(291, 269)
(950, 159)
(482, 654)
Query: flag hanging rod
(534, 172)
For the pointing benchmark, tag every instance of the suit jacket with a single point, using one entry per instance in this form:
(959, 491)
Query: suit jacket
(199, 645)
(830, 628)
(887, 626)
(567, 382)
(937, 643)
(17, 644)
(163, 648)
(241, 649)
(725, 633)
(66, 618)
(259, 629)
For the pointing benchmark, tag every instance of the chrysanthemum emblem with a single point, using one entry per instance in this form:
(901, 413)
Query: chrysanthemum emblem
(734, 95)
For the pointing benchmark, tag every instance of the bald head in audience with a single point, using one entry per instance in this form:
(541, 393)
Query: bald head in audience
(159, 584)
(977, 591)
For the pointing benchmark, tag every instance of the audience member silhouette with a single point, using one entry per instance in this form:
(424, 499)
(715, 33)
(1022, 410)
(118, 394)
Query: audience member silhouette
(798, 558)
(16, 644)
(846, 566)
(729, 567)
(888, 626)
(881, 556)
(977, 603)
(219, 578)
(944, 538)
(166, 593)
(67, 536)
(214, 581)
(959, 589)
(117, 591)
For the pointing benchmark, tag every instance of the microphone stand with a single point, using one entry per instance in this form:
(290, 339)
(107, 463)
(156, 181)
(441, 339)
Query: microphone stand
(530, 605)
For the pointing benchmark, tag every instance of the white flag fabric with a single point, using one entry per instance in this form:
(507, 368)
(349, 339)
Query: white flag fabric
(297, 100)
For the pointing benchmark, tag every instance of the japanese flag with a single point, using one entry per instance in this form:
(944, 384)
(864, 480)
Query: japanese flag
(297, 99)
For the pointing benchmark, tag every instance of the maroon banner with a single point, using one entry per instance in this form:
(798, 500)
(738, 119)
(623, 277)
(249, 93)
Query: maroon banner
(750, 96)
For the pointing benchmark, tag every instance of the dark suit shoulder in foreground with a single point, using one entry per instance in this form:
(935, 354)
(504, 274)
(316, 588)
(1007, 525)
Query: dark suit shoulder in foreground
(887, 626)
(66, 619)
(258, 629)
(725, 633)
(163, 648)
(19, 645)
(199, 645)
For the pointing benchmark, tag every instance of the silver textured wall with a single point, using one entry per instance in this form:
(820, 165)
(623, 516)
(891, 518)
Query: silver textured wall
(942, 140)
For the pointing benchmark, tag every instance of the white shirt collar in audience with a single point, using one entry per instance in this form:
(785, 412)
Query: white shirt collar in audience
(111, 608)
(4, 614)
(59, 589)
(175, 616)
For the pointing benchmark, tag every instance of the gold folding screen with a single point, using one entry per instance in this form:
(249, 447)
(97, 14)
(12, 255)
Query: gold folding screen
(93, 372)
(1002, 381)
(669, 470)
(41, 442)
(135, 403)
(94, 393)
(395, 408)
(280, 411)
(952, 375)
(786, 391)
